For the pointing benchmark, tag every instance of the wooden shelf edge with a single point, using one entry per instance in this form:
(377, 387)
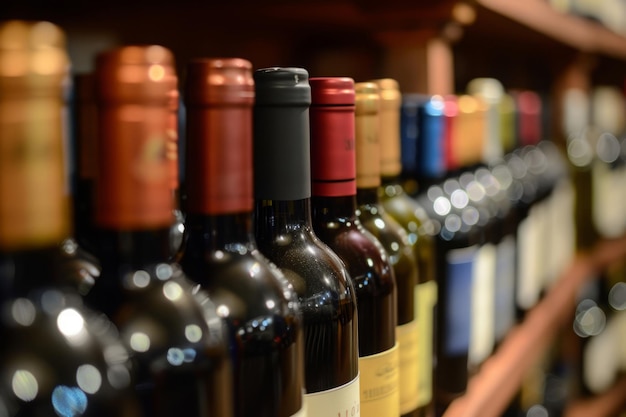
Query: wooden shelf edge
(490, 391)
(606, 404)
(573, 31)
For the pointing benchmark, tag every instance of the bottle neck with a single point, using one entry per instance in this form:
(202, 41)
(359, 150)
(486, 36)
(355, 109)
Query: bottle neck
(281, 216)
(328, 208)
(218, 231)
(26, 270)
(133, 248)
(367, 196)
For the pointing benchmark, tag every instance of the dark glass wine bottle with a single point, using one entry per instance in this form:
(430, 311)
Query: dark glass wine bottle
(335, 221)
(376, 220)
(220, 254)
(176, 338)
(85, 136)
(177, 229)
(57, 357)
(406, 211)
(284, 234)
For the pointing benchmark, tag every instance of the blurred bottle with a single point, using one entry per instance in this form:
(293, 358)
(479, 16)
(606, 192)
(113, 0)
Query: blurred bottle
(284, 234)
(220, 254)
(406, 211)
(57, 357)
(336, 223)
(177, 340)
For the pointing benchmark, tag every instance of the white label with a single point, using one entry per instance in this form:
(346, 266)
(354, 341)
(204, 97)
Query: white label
(601, 358)
(483, 298)
(504, 288)
(606, 208)
(426, 299)
(343, 401)
(528, 282)
(562, 230)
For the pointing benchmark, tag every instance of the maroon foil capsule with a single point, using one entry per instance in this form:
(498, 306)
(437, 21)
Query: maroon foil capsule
(333, 158)
(529, 117)
(219, 98)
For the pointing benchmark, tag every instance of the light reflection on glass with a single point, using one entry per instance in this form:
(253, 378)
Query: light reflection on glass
(139, 342)
(88, 378)
(69, 401)
(24, 385)
(255, 269)
(442, 206)
(223, 311)
(617, 296)
(379, 223)
(118, 376)
(453, 223)
(537, 410)
(141, 279)
(270, 304)
(459, 199)
(175, 356)
(164, 271)
(172, 291)
(395, 246)
(23, 311)
(52, 301)
(70, 322)
(193, 333)
(115, 353)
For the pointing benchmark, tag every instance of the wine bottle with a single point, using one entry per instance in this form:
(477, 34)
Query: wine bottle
(177, 229)
(376, 220)
(220, 254)
(335, 221)
(284, 233)
(57, 357)
(413, 218)
(177, 340)
(85, 135)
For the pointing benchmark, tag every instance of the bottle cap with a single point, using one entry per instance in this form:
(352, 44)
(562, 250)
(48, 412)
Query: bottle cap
(219, 97)
(135, 90)
(389, 117)
(367, 126)
(33, 185)
(333, 157)
(282, 163)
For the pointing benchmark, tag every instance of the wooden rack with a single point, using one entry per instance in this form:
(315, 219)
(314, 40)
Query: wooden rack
(492, 389)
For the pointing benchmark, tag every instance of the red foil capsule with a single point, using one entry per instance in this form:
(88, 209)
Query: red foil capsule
(333, 158)
(529, 117)
(219, 97)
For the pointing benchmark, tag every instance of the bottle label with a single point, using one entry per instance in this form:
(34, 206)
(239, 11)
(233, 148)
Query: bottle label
(341, 401)
(602, 356)
(562, 229)
(606, 206)
(33, 201)
(408, 345)
(380, 395)
(504, 317)
(133, 179)
(426, 299)
(458, 306)
(483, 299)
(528, 264)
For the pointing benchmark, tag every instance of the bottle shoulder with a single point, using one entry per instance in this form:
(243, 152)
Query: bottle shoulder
(56, 352)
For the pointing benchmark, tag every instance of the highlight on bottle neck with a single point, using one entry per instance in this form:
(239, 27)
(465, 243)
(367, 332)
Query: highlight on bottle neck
(34, 206)
(367, 126)
(333, 158)
(134, 90)
(219, 95)
(282, 161)
(389, 130)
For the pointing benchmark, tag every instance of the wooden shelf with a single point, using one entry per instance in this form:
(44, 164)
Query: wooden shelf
(491, 390)
(576, 32)
(605, 405)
